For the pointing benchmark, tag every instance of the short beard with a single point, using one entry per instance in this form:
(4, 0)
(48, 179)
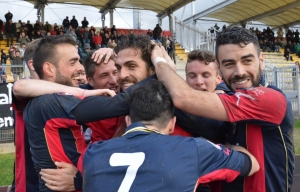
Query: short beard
(255, 82)
(63, 80)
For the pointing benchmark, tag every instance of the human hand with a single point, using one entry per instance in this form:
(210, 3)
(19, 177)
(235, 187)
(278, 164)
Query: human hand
(106, 92)
(61, 179)
(159, 51)
(100, 53)
(98, 92)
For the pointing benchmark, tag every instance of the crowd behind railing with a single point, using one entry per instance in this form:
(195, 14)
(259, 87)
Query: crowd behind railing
(87, 38)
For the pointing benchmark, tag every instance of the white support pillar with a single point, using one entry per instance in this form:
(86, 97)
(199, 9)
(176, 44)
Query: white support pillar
(195, 35)
(38, 14)
(111, 16)
(103, 19)
(159, 21)
(171, 24)
(43, 13)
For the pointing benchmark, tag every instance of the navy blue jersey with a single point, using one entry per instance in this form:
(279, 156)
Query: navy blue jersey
(149, 161)
(53, 129)
(263, 123)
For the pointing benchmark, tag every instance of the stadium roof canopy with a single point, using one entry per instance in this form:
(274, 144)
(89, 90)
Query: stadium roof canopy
(161, 7)
(273, 13)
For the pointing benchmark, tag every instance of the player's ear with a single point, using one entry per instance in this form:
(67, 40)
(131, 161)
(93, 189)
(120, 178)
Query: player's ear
(30, 65)
(127, 120)
(172, 125)
(49, 69)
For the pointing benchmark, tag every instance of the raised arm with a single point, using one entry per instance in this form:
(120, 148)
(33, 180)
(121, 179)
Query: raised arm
(33, 88)
(184, 97)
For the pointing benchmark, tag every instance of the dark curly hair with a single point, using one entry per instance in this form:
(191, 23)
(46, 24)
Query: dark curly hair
(140, 42)
(236, 35)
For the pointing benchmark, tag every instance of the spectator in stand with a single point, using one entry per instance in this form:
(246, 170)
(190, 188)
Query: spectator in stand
(66, 23)
(79, 36)
(47, 27)
(277, 46)
(105, 29)
(113, 29)
(84, 23)
(224, 27)
(280, 33)
(164, 41)
(131, 32)
(3, 57)
(149, 33)
(86, 50)
(91, 38)
(18, 25)
(36, 25)
(8, 16)
(30, 30)
(157, 33)
(38, 35)
(105, 41)
(2, 75)
(61, 31)
(10, 30)
(41, 29)
(92, 29)
(170, 49)
(114, 36)
(216, 27)
(1, 25)
(73, 35)
(16, 60)
(48, 34)
(212, 30)
(22, 49)
(121, 35)
(53, 31)
(102, 34)
(23, 39)
(56, 29)
(85, 36)
(287, 54)
(297, 48)
(23, 28)
(97, 40)
(74, 23)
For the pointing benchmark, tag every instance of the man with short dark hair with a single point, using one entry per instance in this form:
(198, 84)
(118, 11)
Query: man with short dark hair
(102, 76)
(54, 127)
(66, 23)
(74, 23)
(10, 30)
(84, 23)
(145, 158)
(258, 125)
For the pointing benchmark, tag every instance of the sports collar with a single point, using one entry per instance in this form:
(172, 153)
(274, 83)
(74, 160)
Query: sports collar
(137, 126)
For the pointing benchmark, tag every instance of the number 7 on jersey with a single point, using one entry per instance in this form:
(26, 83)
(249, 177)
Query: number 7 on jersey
(133, 160)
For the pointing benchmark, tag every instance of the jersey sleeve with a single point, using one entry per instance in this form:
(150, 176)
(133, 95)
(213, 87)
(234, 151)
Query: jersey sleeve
(217, 162)
(101, 107)
(255, 104)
